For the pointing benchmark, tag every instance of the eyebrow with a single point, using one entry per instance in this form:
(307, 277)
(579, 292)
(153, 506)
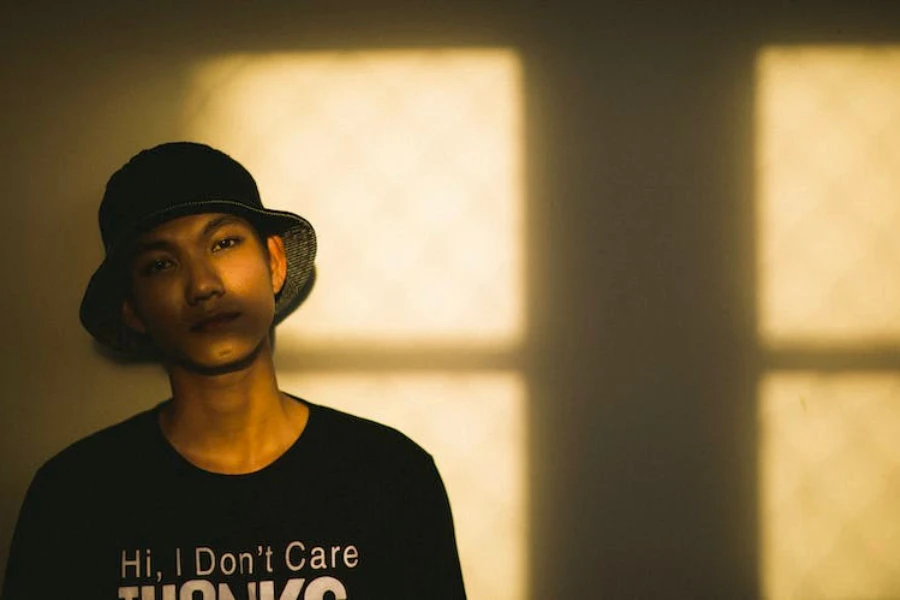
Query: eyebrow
(163, 244)
(143, 247)
(220, 221)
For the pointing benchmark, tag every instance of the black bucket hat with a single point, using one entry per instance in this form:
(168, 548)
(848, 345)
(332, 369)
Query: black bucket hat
(174, 180)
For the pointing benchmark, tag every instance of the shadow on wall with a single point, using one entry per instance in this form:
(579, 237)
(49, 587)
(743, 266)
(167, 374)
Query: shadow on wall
(618, 360)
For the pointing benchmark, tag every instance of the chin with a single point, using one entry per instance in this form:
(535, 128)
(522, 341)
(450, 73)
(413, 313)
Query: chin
(228, 359)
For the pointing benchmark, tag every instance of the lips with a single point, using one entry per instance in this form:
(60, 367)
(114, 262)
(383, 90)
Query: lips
(214, 322)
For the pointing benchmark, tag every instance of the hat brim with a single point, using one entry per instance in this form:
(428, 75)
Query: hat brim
(101, 306)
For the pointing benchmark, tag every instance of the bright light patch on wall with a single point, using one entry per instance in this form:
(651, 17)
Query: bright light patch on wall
(829, 484)
(474, 427)
(828, 182)
(408, 164)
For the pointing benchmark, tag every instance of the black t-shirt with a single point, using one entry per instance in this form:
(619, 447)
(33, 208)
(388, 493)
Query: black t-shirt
(352, 510)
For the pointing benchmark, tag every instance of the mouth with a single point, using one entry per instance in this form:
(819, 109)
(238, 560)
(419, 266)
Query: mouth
(215, 322)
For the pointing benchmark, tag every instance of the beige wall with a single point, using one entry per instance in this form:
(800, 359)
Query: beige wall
(642, 361)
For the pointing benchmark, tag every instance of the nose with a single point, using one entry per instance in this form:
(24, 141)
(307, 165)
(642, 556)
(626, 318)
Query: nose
(203, 282)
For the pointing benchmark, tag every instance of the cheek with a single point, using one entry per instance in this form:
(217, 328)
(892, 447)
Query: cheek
(155, 305)
(248, 277)
(255, 285)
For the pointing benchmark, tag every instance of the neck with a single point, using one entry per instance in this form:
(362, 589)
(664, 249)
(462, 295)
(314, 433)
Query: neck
(236, 421)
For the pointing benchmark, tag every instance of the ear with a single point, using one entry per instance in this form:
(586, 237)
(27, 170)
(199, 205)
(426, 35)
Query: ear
(277, 262)
(131, 318)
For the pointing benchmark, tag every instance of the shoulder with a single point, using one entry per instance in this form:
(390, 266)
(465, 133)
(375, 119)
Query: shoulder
(360, 433)
(356, 458)
(344, 425)
(352, 440)
(105, 451)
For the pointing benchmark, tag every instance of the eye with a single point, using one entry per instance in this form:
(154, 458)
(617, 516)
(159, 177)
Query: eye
(157, 265)
(225, 243)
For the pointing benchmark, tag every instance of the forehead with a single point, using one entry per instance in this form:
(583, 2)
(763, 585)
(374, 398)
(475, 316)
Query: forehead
(190, 227)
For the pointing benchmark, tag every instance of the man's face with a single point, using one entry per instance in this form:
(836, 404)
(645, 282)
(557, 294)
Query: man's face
(203, 289)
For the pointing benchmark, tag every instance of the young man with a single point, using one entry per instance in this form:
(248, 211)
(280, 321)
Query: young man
(231, 489)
